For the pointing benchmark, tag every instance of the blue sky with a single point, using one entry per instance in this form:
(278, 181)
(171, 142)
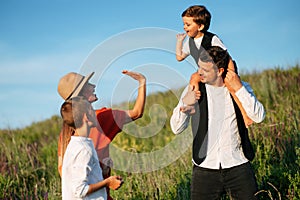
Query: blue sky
(42, 40)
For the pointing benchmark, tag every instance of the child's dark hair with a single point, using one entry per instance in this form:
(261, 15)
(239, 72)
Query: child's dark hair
(200, 14)
(216, 55)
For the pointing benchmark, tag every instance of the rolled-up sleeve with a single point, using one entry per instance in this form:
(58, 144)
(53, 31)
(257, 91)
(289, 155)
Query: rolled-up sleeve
(179, 121)
(254, 109)
(80, 170)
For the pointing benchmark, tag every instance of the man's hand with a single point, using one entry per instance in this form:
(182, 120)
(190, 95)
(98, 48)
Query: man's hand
(191, 97)
(232, 81)
(189, 110)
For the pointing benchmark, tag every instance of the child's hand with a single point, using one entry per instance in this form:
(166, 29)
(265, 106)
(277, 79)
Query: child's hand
(192, 96)
(114, 182)
(180, 37)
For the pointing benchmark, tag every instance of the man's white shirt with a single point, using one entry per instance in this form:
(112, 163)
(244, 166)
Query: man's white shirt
(223, 142)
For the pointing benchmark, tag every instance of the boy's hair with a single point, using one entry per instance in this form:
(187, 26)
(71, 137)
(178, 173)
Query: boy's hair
(200, 14)
(216, 55)
(73, 110)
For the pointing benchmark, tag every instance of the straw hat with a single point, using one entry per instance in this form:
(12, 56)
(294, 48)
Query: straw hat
(71, 84)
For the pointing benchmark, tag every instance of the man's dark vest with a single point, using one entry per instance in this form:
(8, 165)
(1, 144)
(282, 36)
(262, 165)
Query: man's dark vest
(205, 44)
(200, 127)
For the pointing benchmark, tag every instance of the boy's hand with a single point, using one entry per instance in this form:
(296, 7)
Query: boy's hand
(180, 37)
(114, 182)
(192, 96)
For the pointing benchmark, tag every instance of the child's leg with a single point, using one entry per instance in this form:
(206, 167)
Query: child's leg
(247, 120)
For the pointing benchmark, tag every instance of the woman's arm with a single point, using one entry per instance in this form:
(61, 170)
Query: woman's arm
(138, 108)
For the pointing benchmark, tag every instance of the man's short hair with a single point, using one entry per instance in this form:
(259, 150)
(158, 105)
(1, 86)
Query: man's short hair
(218, 56)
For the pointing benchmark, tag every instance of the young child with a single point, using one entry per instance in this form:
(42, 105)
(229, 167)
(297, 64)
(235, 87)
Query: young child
(81, 173)
(196, 22)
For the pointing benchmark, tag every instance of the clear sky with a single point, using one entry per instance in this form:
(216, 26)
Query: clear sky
(42, 40)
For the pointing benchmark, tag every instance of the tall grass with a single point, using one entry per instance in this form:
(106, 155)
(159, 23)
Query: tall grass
(276, 140)
(28, 157)
(28, 162)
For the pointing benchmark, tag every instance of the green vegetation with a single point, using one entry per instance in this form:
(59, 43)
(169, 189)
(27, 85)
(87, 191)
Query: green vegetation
(28, 157)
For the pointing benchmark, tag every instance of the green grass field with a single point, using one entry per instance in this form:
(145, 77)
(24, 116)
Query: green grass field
(28, 157)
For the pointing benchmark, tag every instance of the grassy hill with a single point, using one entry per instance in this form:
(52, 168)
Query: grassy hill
(28, 157)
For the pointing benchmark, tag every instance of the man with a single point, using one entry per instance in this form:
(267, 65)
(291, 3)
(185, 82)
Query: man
(81, 172)
(221, 146)
(110, 122)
